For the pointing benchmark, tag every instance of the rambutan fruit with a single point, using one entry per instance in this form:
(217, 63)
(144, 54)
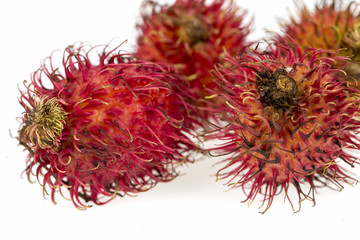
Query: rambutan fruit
(108, 129)
(332, 25)
(192, 35)
(288, 121)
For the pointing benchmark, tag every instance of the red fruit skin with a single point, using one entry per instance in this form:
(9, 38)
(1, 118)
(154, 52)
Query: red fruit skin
(268, 148)
(331, 25)
(127, 126)
(166, 36)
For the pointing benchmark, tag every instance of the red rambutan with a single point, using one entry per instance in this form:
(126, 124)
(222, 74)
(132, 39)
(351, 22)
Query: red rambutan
(332, 25)
(192, 35)
(107, 129)
(288, 120)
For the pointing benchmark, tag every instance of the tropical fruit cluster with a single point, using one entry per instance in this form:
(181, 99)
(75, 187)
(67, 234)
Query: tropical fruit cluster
(286, 111)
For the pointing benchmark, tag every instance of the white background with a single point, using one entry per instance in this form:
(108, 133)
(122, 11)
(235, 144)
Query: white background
(193, 205)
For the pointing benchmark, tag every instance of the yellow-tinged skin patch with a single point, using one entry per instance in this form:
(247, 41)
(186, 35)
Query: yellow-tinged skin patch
(43, 124)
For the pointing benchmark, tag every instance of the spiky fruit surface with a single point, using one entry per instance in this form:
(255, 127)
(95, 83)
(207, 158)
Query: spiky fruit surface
(332, 25)
(288, 121)
(107, 129)
(192, 35)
